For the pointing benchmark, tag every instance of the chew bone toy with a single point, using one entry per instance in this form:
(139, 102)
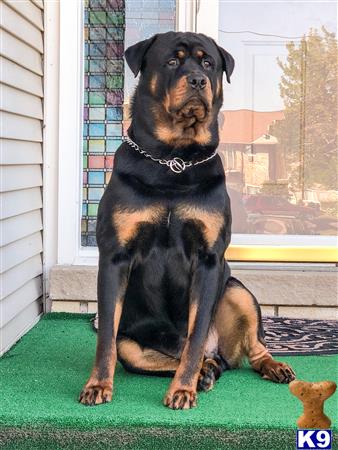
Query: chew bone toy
(313, 396)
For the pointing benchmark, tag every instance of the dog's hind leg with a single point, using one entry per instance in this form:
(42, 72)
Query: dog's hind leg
(238, 324)
(147, 361)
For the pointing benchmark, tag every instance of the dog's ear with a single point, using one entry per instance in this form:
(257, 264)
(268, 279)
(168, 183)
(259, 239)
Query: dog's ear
(135, 54)
(228, 62)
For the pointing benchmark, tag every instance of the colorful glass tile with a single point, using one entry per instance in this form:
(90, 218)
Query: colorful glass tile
(98, 4)
(92, 209)
(97, 65)
(91, 225)
(97, 98)
(96, 145)
(115, 34)
(115, 18)
(113, 129)
(97, 114)
(95, 193)
(91, 240)
(96, 178)
(114, 97)
(114, 81)
(97, 49)
(109, 161)
(114, 114)
(95, 162)
(115, 65)
(112, 145)
(83, 225)
(97, 33)
(114, 49)
(97, 17)
(96, 129)
(116, 4)
(96, 81)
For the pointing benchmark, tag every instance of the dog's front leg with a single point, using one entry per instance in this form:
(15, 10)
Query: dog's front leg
(203, 295)
(111, 286)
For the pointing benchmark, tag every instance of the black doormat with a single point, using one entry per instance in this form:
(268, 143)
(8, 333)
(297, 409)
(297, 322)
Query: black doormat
(296, 336)
(301, 336)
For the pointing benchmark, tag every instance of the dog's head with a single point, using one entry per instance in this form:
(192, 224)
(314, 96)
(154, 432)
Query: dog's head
(181, 85)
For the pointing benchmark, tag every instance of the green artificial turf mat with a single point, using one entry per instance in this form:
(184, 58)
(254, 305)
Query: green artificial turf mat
(41, 378)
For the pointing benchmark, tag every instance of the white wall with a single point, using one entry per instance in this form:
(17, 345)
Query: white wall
(21, 116)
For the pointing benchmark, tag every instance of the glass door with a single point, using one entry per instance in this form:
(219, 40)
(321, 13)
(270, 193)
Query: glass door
(278, 126)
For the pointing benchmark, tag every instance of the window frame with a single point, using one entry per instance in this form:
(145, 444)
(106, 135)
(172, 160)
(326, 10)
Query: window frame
(193, 15)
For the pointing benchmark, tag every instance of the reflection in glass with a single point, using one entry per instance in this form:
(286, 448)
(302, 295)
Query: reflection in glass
(278, 124)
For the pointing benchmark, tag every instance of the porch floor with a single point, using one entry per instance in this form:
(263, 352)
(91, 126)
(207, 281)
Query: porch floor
(41, 378)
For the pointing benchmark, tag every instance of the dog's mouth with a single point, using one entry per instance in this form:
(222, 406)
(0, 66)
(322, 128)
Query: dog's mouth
(186, 120)
(193, 110)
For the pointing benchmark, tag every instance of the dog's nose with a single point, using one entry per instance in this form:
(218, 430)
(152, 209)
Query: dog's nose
(197, 81)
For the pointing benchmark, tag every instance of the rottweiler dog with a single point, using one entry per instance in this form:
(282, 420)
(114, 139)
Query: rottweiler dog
(167, 303)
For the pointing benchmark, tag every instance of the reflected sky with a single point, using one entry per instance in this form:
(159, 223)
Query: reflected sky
(254, 84)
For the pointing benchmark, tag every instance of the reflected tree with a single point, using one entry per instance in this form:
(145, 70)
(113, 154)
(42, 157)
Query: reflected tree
(308, 135)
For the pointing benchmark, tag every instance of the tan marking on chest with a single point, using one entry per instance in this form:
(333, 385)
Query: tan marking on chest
(212, 222)
(126, 222)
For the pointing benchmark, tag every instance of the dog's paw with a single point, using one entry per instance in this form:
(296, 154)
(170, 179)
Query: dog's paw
(278, 372)
(95, 394)
(212, 368)
(180, 399)
(207, 376)
(206, 380)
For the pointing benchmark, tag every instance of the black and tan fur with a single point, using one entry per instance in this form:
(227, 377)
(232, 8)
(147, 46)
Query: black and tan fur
(167, 302)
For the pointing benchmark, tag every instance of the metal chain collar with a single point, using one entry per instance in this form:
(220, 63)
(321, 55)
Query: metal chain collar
(176, 165)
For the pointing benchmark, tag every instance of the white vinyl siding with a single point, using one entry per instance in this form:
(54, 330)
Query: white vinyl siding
(20, 127)
(19, 102)
(21, 116)
(20, 78)
(18, 202)
(21, 53)
(20, 152)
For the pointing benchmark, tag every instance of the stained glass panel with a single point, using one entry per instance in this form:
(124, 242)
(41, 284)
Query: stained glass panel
(104, 23)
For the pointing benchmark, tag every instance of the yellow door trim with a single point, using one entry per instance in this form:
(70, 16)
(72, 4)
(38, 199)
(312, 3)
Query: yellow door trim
(282, 254)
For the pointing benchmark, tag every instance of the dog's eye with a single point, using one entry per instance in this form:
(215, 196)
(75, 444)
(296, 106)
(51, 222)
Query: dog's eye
(206, 64)
(173, 62)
